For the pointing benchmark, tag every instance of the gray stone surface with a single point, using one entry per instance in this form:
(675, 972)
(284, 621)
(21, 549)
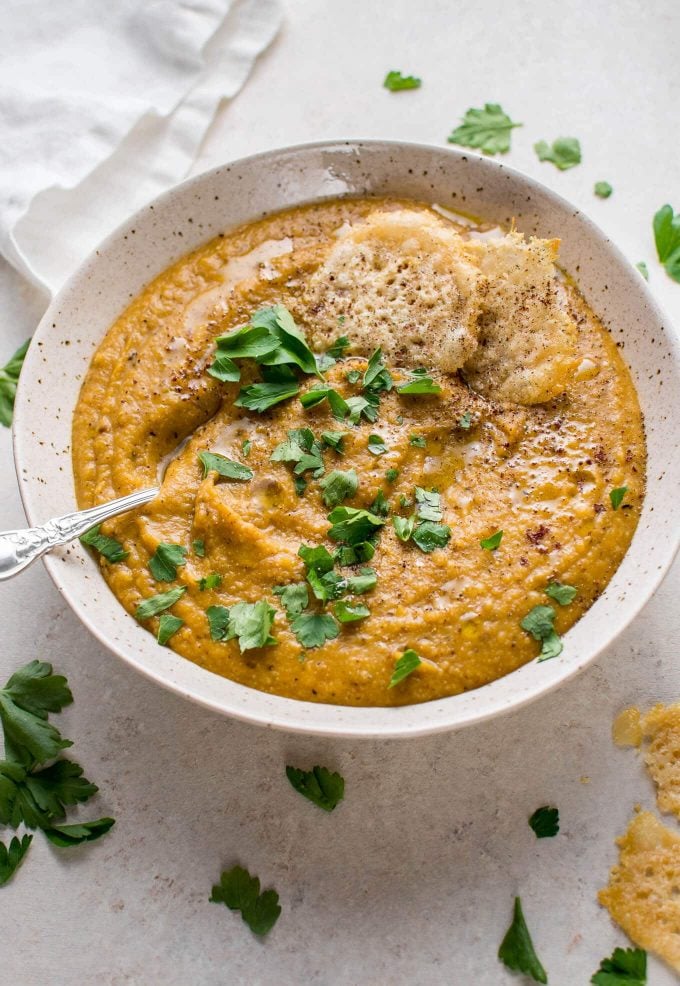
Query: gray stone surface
(411, 880)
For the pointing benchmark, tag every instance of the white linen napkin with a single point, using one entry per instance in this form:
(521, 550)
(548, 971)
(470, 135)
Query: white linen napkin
(104, 104)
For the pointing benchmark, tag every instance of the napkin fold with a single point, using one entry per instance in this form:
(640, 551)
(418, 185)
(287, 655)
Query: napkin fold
(105, 104)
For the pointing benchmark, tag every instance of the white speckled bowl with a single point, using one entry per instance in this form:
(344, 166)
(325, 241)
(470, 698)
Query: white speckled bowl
(197, 210)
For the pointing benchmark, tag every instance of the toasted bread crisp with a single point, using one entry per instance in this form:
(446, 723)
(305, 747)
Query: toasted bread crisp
(400, 280)
(527, 338)
(661, 732)
(643, 895)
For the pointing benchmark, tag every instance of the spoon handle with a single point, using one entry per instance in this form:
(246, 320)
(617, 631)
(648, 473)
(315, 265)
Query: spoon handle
(19, 548)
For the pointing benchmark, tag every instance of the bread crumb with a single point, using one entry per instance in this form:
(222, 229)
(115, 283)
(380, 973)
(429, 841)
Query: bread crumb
(660, 728)
(626, 728)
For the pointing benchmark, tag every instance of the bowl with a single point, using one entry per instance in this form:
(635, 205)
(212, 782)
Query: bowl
(200, 208)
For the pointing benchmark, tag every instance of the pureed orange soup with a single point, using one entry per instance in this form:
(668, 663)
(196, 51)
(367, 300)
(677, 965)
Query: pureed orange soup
(314, 528)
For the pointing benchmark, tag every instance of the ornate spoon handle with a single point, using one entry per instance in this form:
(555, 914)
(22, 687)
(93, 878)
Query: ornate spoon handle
(19, 548)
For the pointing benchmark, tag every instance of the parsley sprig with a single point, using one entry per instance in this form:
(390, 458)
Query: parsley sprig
(487, 129)
(318, 785)
(241, 892)
(626, 967)
(9, 378)
(517, 950)
(539, 623)
(666, 226)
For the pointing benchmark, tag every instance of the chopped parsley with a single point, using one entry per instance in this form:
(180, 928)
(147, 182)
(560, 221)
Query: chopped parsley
(294, 598)
(241, 892)
(376, 445)
(321, 392)
(545, 822)
(603, 189)
(318, 559)
(376, 376)
(539, 623)
(395, 81)
(380, 506)
(423, 527)
(338, 486)
(168, 625)
(212, 581)
(302, 449)
(404, 526)
(492, 542)
(348, 613)
(391, 475)
(517, 950)
(487, 129)
(562, 594)
(334, 439)
(318, 785)
(249, 623)
(428, 504)
(156, 604)
(314, 629)
(420, 383)
(564, 153)
(339, 346)
(418, 441)
(644, 270)
(165, 560)
(429, 536)
(404, 666)
(9, 378)
(353, 526)
(667, 238)
(353, 376)
(261, 396)
(224, 369)
(359, 406)
(246, 447)
(10, 859)
(616, 496)
(626, 967)
(214, 462)
(108, 548)
(199, 547)
(218, 621)
(465, 421)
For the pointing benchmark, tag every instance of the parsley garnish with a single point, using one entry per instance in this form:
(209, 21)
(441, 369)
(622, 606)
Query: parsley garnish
(199, 548)
(616, 496)
(66, 836)
(380, 506)
(353, 376)
(420, 383)
(517, 950)
(404, 526)
(391, 475)
(10, 859)
(404, 666)
(626, 967)
(214, 462)
(366, 406)
(9, 377)
(562, 594)
(539, 623)
(465, 421)
(339, 346)
(261, 396)
(418, 441)
(423, 527)
(347, 613)
(667, 239)
(564, 153)
(314, 629)
(429, 536)
(545, 822)
(224, 369)
(352, 526)
(156, 604)
(39, 797)
(218, 621)
(603, 189)
(107, 547)
(334, 440)
(250, 623)
(395, 81)
(428, 504)
(294, 598)
(241, 892)
(246, 447)
(165, 560)
(492, 542)
(488, 129)
(318, 785)
(25, 701)
(272, 338)
(212, 581)
(321, 392)
(303, 449)
(168, 625)
(642, 267)
(376, 445)
(376, 375)
(318, 559)
(338, 486)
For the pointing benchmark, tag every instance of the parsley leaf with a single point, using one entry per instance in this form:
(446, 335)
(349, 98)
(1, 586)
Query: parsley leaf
(339, 346)
(644, 270)
(380, 506)
(66, 836)
(404, 666)
(9, 377)
(250, 623)
(429, 535)
(218, 621)
(168, 625)
(376, 376)
(214, 462)
(492, 542)
(465, 421)
(294, 598)
(247, 342)
(318, 559)
(539, 623)
(108, 547)
(376, 445)
(603, 189)
(517, 950)
(428, 504)
(299, 442)
(317, 395)
(347, 613)
(418, 441)
(616, 496)
(339, 485)
(626, 967)
(545, 822)
(30, 694)
(352, 526)
(404, 527)
(199, 548)
(420, 383)
(246, 447)
(564, 153)
(165, 560)
(11, 858)
(212, 581)
(223, 368)
(391, 475)
(353, 376)
(314, 629)
(318, 785)
(38, 797)
(395, 81)
(562, 594)
(156, 604)
(488, 129)
(334, 440)
(292, 346)
(241, 892)
(261, 396)
(667, 239)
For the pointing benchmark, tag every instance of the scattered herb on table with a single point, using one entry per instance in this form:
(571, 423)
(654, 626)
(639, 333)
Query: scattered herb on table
(9, 378)
(214, 462)
(564, 153)
(107, 547)
(11, 858)
(241, 892)
(488, 129)
(168, 625)
(66, 836)
(539, 623)
(616, 496)
(626, 967)
(165, 560)
(603, 189)
(545, 822)
(404, 666)
(644, 270)
(157, 604)
(395, 81)
(492, 542)
(561, 593)
(667, 238)
(517, 950)
(318, 785)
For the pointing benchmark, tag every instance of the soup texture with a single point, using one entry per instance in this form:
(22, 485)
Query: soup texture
(425, 504)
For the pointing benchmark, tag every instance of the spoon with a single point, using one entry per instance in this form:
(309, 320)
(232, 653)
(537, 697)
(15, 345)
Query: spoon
(19, 548)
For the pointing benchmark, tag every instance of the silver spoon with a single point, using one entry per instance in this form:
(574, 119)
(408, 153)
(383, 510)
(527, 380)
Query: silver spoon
(19, 548)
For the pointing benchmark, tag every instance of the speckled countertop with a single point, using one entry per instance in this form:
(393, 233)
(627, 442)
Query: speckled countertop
(411, 880)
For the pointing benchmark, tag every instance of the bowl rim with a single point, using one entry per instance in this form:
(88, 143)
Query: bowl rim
(283, 721)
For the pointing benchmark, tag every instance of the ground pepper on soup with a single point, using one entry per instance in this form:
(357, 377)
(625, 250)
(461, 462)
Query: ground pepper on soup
(497, 403)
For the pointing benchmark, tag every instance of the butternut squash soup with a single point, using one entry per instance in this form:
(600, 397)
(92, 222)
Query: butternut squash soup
(399, 456)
